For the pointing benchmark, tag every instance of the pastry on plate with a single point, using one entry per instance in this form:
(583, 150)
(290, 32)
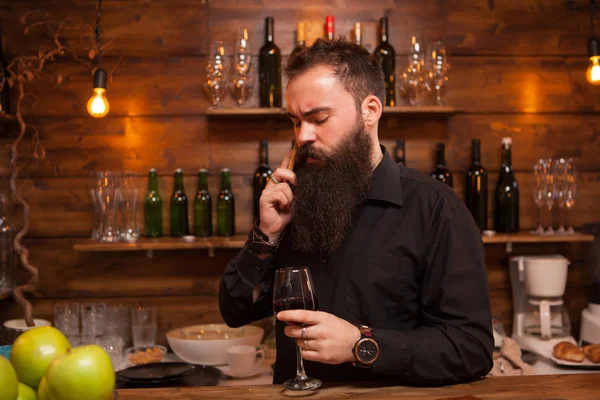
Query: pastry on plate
(592, 352)
(569, 352)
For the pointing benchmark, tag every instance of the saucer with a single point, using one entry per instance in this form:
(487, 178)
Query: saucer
(258, 370)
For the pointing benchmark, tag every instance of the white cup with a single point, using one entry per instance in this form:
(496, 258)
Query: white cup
(243, 358)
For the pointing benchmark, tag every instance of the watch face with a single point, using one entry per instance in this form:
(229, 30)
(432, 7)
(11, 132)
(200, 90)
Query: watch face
(367, 351)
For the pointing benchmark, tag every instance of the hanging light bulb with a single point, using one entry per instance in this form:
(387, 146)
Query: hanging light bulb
(593, 72)
(97, 105)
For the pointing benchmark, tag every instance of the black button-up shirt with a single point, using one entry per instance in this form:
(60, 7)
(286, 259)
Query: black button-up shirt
(411, 267)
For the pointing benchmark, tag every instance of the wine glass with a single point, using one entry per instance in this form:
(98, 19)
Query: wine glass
(412, 78)
(539, 193)
(293, 289)
(549, 193)
(559, 170)
(570, 193)
(438, 66)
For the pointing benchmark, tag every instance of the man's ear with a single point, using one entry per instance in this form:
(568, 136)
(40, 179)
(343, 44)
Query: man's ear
(371, 110)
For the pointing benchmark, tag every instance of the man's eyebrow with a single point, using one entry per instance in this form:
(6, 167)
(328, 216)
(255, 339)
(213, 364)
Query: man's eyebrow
(310, 112)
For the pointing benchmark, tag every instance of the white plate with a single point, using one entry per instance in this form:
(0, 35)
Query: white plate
(586, 363)
(225, 370)
(21, 325)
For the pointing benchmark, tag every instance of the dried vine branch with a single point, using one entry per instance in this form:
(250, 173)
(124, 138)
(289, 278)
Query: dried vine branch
(23, 69)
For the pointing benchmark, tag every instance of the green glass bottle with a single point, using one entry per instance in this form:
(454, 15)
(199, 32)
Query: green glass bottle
(261, 177)
(506, 196)
(225, 207)
(153, 208)
(203, 207)
(179, 207)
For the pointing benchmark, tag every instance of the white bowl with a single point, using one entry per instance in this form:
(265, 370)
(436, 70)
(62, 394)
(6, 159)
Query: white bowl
(21, 325)
(207, 344)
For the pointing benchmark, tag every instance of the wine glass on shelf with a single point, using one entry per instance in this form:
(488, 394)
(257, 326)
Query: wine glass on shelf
(412, 79)
(549, 193)
(215, 85)
(294, 290)
(559, 170)
(242, 80)
(437, 68)
(539, 193)
(570, 193)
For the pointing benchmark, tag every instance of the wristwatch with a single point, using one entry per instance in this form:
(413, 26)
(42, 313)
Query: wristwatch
(259, 242)
(366, 350)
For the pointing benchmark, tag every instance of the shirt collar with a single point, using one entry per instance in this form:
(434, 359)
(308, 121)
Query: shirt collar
(385, 183)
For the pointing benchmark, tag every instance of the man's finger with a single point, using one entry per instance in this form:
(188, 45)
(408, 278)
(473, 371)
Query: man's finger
(300, 316)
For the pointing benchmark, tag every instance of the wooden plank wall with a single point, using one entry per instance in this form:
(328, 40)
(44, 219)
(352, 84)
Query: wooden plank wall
(517, 70)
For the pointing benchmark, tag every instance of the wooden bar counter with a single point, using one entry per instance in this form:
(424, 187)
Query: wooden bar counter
(572, 387)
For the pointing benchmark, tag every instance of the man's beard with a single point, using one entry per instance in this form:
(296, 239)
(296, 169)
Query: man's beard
(328, 192)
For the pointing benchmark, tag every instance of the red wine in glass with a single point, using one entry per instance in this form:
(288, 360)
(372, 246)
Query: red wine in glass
(293, 289)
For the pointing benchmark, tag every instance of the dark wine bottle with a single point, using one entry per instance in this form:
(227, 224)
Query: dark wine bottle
(386, 55)
(179, 207)
(300, 39)
(203, 207)
(225, 207)
(153, 208)
(440, 172)
(476, 187)
(4, 87)
(269, 60)
(329, 29)
(357, 33)
(261, 177)
(506, 212)
(400, 155)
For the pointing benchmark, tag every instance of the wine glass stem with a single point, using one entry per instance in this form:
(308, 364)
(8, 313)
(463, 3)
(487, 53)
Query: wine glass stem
(300, 373)
(539, 220)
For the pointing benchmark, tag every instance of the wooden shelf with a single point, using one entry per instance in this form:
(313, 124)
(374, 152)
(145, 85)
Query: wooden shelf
(237, 242)
(245, 112)
(282, 112)
(526, 237)
(164, 243)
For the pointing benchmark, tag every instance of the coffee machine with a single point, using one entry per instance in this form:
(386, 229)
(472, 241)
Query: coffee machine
(540, 318)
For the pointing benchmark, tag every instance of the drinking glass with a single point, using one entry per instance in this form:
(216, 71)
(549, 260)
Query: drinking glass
(108, 199)
(549, 193)
(143, 326)
(559, 170)
(243, 53)
(118, 322)
(66, 318)
(92, 320)
(113, 346)
(412, 79)
(293, 289)
(128, 204)
(570, 193)
(539, 191)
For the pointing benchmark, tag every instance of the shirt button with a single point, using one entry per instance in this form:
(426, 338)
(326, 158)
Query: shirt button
(257, 268)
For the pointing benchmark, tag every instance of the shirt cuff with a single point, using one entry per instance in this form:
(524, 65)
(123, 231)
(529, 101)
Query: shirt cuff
(395, 352)
(252, 268)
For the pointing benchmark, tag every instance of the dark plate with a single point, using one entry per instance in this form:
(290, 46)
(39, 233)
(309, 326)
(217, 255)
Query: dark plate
(198, 375)
(155, 371)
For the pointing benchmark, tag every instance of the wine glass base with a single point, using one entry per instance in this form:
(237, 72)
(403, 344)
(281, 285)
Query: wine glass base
(302, 384)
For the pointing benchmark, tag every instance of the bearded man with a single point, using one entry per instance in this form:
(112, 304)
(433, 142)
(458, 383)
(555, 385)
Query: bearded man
(395, 256)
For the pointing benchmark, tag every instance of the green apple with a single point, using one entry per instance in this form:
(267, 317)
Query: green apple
(8, 380)
(26, 393)
(43, 390)
(34, 350)
(83, 373)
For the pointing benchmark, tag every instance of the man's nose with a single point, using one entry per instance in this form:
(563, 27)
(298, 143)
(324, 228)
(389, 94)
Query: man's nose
(306, 134)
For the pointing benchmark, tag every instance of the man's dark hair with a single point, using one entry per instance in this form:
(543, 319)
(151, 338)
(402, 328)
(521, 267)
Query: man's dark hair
(352, 65)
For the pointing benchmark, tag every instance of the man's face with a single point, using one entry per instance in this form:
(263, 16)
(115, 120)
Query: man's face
(333, 166)
(322, 110)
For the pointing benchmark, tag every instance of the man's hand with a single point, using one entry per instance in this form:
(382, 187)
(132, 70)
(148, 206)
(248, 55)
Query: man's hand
(329, 339)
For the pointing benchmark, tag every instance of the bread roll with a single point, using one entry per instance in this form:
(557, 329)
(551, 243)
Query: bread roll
(568, 351)
(592, 352)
